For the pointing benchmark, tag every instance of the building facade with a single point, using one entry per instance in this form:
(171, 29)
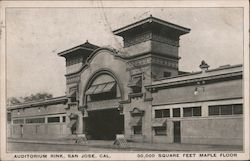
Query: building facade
(139, 92)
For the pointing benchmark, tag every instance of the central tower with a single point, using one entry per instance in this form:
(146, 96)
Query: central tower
(155, 37)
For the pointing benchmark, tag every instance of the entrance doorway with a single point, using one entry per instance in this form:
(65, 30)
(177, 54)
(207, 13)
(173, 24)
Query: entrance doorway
(177, 131)
(104, 124)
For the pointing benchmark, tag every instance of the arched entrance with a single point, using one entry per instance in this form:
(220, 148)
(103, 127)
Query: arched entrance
(102, 98)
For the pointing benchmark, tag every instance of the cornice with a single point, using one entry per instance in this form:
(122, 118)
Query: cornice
(193, 80)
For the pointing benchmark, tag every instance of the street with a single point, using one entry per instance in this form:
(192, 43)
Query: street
(12, 147)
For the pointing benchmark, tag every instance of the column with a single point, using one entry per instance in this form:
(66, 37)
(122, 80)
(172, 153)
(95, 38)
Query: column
(80, 123)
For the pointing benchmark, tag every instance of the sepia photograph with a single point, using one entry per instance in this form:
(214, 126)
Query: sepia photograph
(97, 80)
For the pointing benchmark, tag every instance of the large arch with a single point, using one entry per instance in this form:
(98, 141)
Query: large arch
(104, 119)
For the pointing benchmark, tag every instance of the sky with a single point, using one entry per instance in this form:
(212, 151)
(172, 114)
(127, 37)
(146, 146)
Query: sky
(34, 36)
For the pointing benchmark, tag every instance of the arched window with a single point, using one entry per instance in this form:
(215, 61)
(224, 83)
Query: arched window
(103, 87)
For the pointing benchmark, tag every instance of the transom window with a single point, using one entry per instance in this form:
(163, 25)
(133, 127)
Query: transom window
(53, 119)
(166, 74)
(191, 111)
(232, 109)
(176, 112)
(18, 121)
(162, 113)
(35, 120)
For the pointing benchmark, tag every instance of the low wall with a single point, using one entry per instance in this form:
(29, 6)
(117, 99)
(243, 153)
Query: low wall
(216, 130)
(40, 131)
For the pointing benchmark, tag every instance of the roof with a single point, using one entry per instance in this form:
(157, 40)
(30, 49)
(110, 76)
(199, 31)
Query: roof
(49, 101)
(86, 46)
(208, 75)
(158, 23)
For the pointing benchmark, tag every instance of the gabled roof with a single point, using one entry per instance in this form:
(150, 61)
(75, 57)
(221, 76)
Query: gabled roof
(158, 23)
(87, 47)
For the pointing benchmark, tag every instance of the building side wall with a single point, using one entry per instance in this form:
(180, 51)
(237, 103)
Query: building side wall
(204, 129)
(214, 130)
(221, 90)
(39, 130)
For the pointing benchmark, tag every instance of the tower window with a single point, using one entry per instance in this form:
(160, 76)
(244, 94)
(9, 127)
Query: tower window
(136, 84)
(166, 74)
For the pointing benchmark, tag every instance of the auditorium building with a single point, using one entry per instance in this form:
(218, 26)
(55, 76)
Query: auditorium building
(139, 92)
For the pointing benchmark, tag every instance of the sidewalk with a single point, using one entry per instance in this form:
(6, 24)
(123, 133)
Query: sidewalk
(132, 145)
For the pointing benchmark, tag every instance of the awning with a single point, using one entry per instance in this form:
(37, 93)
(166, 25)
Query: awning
(100, 88)
(90, 90)
(135, 82)
(159, 122)
(72, 94)
(72, 123)
(135, 121)
(136, 111)
(109, 86)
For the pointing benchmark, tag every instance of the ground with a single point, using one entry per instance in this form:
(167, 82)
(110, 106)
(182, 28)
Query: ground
(102, 146)
(51, 147)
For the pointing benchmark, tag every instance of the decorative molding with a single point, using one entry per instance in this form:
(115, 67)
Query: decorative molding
(193, 81)
(135, 95)
(74, 60)
(138, 63)
(165, 62)
(125, 101)
(73, 79)
(132, 40)
(166, 40)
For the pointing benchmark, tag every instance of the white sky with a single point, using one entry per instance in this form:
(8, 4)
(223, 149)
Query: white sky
(36, 35)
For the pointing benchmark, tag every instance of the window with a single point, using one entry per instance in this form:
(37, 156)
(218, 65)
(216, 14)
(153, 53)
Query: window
(196, 111)
(226, 110)
(187, 112)
(234, 109)
(136, 84)
(176, 112)
(191, 111)
(214, 110)
(18, 121)
(9, 117)
(64, 119)
(53, 119)
(137, 129)
(166, 74)
(237, 109)
(162, 113)
(35, 120)
(160, 130)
